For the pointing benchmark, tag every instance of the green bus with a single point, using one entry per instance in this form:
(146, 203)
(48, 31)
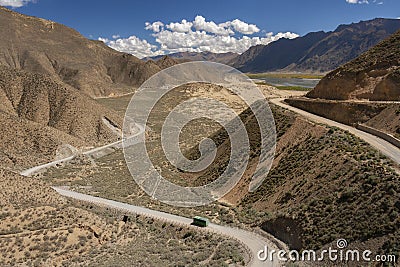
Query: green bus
(200, 221)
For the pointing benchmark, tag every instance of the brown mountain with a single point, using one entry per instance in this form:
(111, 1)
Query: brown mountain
(375, 75)
(43, 46)
(48, 74)
(38, 115)
(318, 51)
(223, 58)
(167, 61)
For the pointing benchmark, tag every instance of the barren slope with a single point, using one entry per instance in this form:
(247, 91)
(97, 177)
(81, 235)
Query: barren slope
(39, 45)
(38, 115)
(375, 75)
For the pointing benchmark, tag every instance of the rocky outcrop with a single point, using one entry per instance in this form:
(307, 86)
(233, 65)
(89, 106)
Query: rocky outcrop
(375, 75)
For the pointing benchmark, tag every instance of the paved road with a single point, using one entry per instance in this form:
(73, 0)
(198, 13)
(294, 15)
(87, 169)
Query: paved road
(131, 140)
(253, 241)
(383, 146)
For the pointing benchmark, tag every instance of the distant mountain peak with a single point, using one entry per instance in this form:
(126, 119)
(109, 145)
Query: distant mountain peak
(317, 51)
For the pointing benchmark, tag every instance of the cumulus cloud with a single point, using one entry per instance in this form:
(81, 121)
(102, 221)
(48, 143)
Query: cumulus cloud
(15, 3)
(133, 45)
(183, 26)
(155, 26)
(357, 1)
(201, 41)
(200, 24)
(116, 36)
(243, 27)
(198, 35)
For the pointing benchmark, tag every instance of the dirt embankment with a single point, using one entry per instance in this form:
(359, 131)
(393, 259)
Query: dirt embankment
(381, 116)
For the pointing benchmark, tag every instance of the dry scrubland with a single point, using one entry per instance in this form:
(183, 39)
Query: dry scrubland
(325, 184)
(40, 228)
(47, 105)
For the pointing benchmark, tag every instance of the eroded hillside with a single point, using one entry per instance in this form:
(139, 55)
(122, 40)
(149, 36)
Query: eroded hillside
(375, 75)
(47, 47)
(39, 115)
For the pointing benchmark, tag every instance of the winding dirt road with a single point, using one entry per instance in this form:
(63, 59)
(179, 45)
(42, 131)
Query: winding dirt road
(252, 241)
(129, 141)
(383, 146)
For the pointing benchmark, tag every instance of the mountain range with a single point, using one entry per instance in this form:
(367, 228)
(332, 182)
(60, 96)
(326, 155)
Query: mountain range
(316, 52)
(49, 75)
(374, 75)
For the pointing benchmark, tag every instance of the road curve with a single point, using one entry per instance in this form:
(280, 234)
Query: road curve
(252, 241)
(131, 140)
(383, 146)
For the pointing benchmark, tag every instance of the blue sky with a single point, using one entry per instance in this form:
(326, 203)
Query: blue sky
(248, 19)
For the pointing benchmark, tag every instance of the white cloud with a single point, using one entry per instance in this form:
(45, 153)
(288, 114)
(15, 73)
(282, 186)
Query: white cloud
(155, 26)
(116, 36)
(200, 24)
(198, 35)
(243, 27)
(200, 41)
(183, 26)
(15, 3)
(357, 1)
(133, 45)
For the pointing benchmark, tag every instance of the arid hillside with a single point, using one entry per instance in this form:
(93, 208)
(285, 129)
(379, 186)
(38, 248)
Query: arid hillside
(324, 184)
(38, 115)
(375, 75)
(49, 74)
(43, 46)
(38, 227)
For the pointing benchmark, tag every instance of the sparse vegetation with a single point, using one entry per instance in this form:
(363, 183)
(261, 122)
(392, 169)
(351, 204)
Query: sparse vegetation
(41, 228)
(294, 88)
(284, 75)
(332, 183)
